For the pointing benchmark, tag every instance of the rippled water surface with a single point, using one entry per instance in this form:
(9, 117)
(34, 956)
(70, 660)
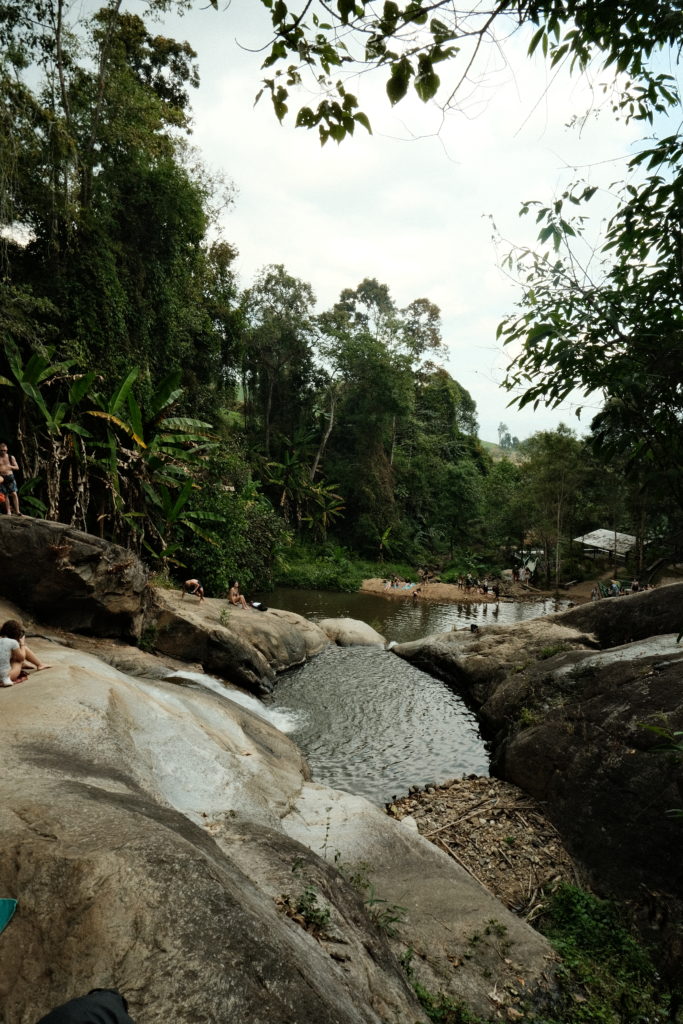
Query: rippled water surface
(370, 722)
(373, 724)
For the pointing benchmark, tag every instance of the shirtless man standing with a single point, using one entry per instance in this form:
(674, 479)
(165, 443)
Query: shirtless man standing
(9, 485)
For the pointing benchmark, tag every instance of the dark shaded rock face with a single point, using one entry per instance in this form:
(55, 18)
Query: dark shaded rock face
(71, 579)
(580, 742)
(567, 723)
(619, 620)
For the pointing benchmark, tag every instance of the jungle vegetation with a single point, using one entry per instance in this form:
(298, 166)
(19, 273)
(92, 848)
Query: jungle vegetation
(149, 399)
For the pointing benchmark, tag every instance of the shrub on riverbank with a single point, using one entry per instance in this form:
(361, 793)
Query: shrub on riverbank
(333, 568)
(606, 976)
(478, 568)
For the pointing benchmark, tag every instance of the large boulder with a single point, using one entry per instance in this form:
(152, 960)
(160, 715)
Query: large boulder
(245, 646)
(476, 663)
(568, 723)
(618, 620)
(165, 841)
(351, 633)
(432, 906)
(577, 736)
(121, 800)
(71, 579)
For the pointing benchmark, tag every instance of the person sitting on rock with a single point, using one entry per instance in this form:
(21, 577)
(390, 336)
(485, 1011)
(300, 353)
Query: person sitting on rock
(15, 656)
(234, 596)
(9, 670)
(193, 587)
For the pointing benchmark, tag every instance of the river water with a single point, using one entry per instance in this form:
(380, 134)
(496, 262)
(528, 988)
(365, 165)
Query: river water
(370, 722)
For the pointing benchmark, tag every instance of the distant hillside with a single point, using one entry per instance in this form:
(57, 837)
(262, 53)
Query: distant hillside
(497, 453)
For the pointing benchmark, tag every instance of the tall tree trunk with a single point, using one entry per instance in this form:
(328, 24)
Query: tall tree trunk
(269, 407)
(87, 155)
(325, 438)
(558, 527)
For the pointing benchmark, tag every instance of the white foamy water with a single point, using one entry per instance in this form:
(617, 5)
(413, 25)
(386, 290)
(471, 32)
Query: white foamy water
(281, 718)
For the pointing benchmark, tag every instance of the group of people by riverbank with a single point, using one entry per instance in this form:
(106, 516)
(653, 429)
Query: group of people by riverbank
(193, 587)
(437, 591)
(464, 590)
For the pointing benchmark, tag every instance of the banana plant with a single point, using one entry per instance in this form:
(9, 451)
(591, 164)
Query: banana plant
(324, 506)
(174, 519)
(56, 443)
(150, 459)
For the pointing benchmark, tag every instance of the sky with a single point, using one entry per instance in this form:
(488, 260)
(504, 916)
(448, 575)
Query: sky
(413, 204)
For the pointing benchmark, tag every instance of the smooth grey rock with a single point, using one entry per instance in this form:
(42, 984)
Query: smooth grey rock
(476, 663)
(153, 834)
(121, 801)
(351, 633)
(619, 620)
(246, 647)
(434, 905)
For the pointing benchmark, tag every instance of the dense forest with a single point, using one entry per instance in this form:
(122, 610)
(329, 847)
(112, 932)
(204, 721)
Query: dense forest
(149, 399)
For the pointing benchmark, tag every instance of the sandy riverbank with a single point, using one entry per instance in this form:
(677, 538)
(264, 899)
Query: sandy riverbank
(444, 593)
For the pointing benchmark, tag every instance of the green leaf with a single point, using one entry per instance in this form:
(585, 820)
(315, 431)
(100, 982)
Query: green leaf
(99, 414)
(306, 118)
(416, 13)
(397, 86)
(76, 428)
(427, 82)
(345, 8)
(80, 387)
(539, 332)
(119, 396)
(279, 12)
(535, 40)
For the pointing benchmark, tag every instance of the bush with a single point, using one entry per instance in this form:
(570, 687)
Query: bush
(332, 568)
(606, 975)
(247, 540)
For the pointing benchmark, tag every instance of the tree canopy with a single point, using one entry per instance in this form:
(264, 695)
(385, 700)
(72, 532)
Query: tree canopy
(151, 398)
(412, 44)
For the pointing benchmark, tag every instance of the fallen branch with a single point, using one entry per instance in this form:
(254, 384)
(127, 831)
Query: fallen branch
(462, 864)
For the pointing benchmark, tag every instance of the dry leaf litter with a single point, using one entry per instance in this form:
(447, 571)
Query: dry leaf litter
(501, 836)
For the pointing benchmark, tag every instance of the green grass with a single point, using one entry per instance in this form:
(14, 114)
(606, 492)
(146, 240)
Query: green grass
(442, 1009)
(606, 975)
(333, 568)
(550, 652)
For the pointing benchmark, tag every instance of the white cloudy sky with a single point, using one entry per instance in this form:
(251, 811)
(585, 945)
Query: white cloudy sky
(410, 205)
